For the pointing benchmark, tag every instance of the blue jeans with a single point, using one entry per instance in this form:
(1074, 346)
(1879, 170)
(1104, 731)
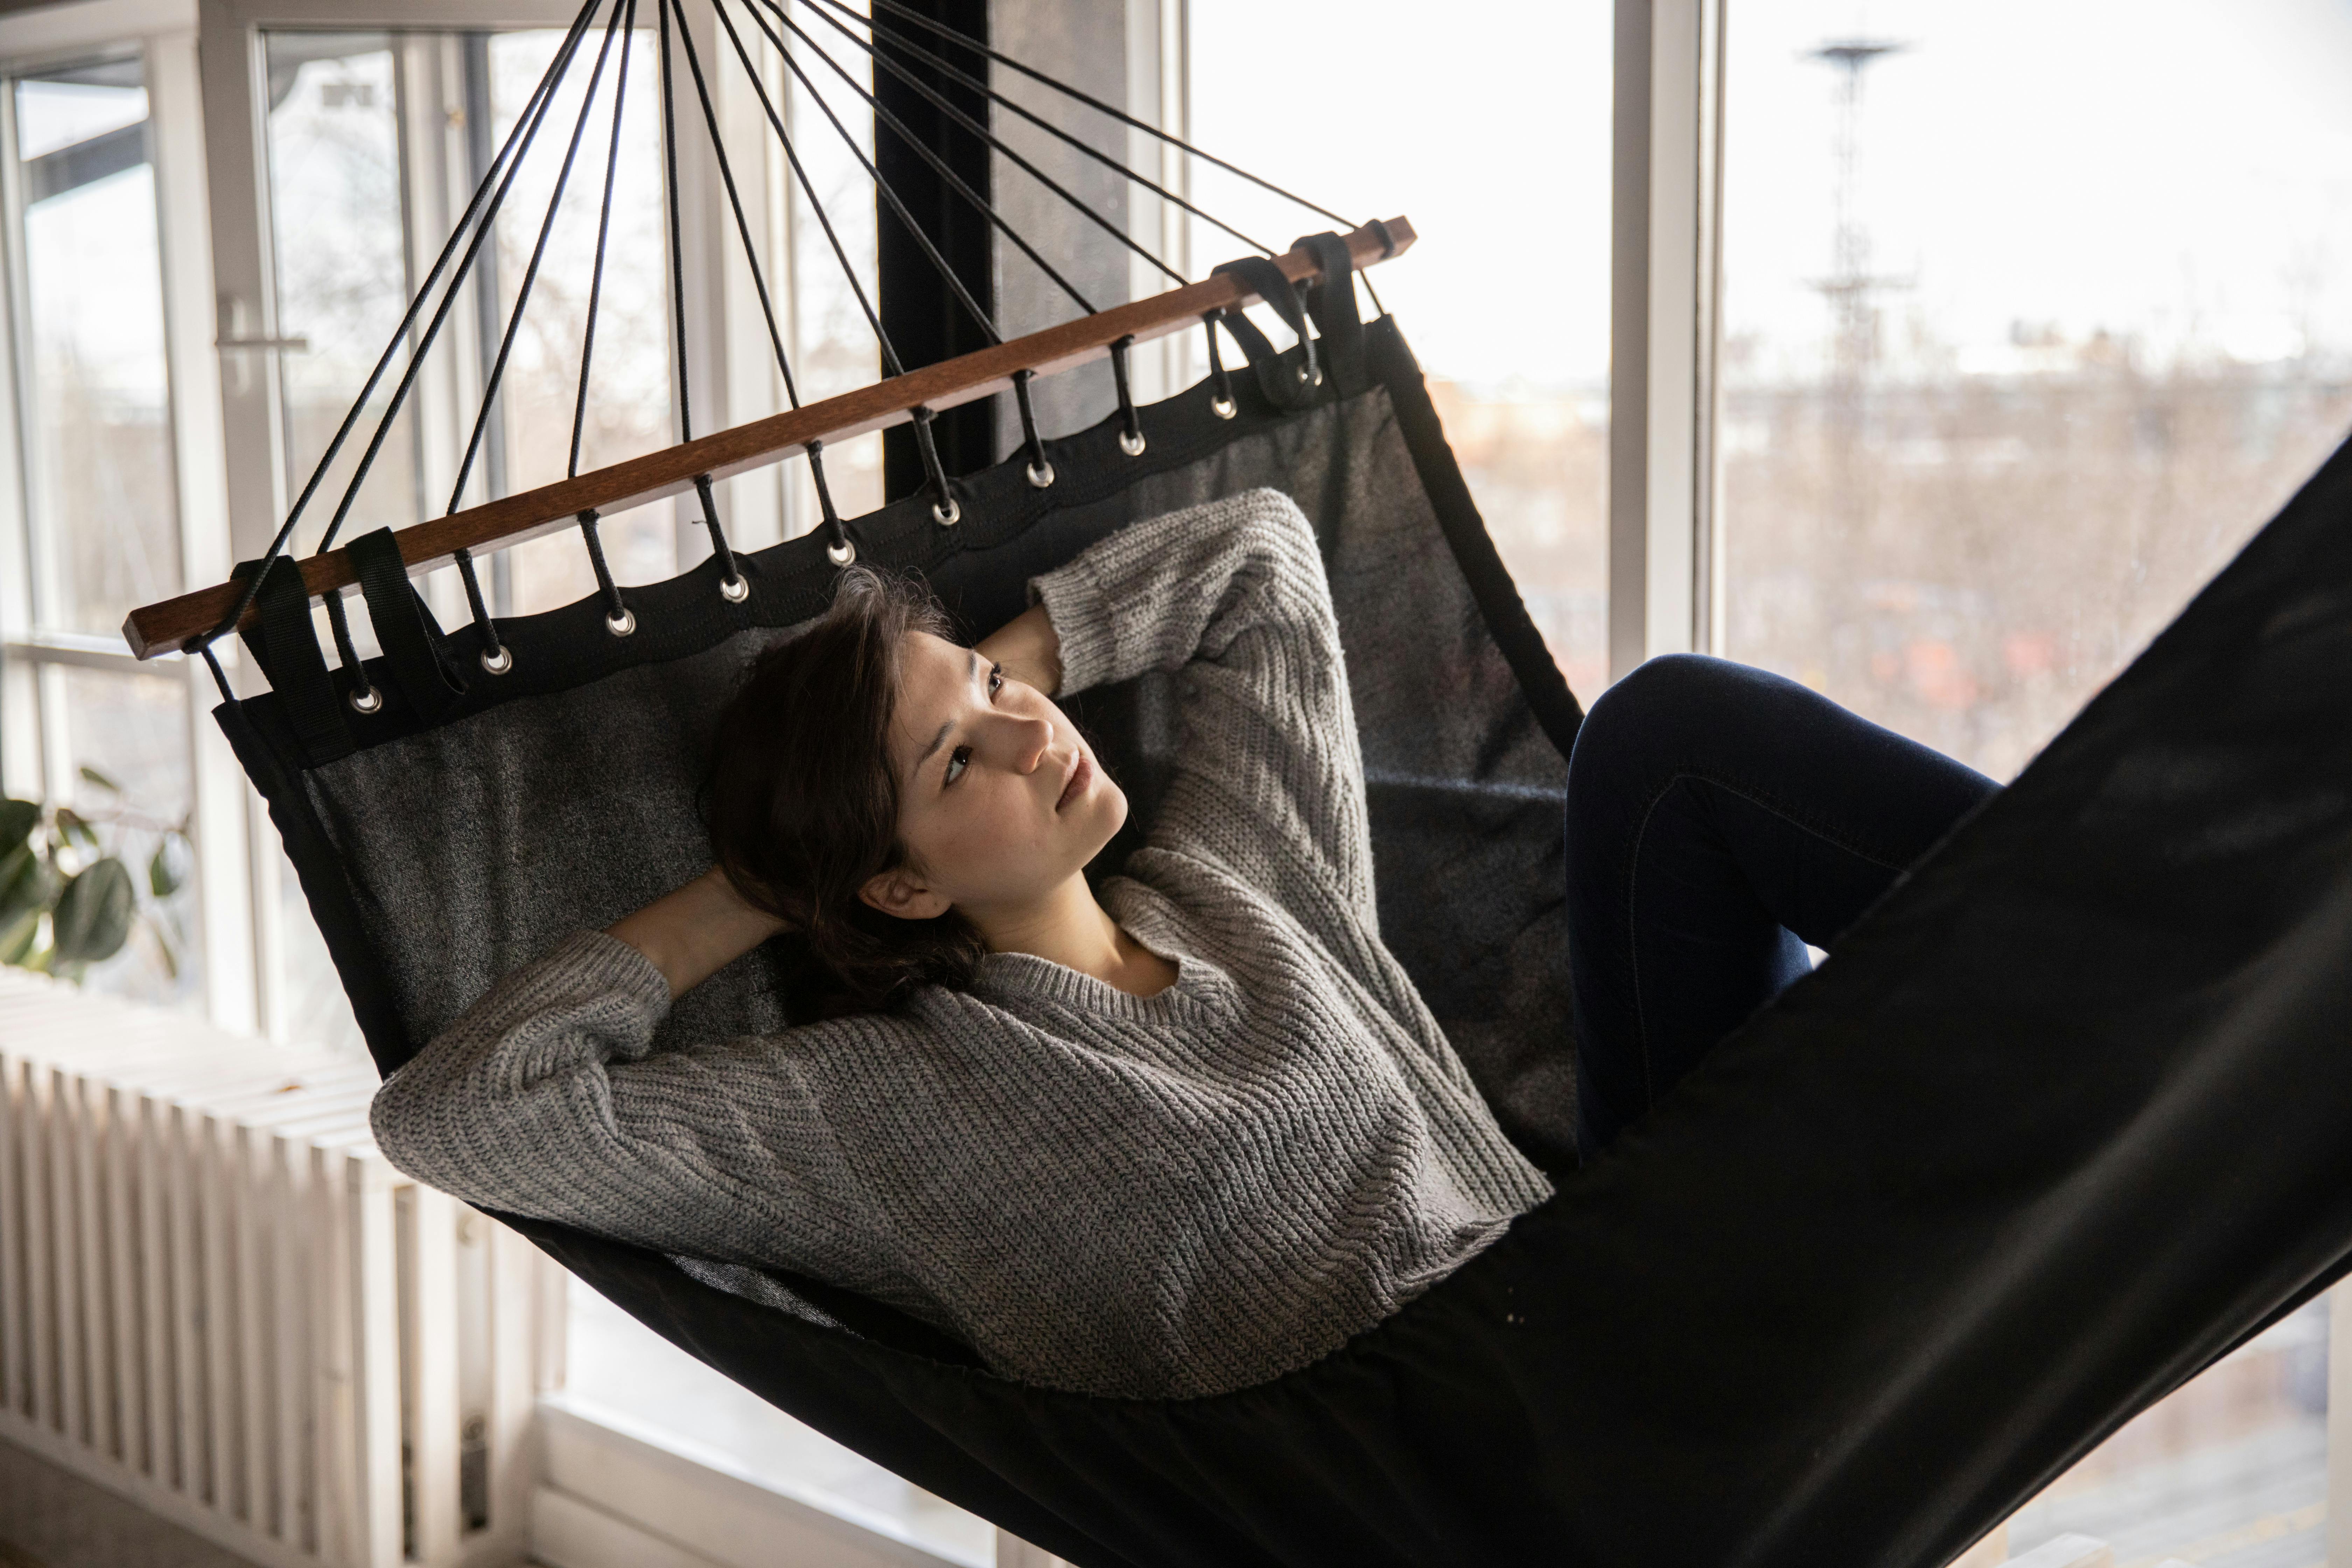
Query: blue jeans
(1719, 819)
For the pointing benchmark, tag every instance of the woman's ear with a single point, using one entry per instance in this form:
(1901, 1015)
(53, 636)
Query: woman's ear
(900, 893)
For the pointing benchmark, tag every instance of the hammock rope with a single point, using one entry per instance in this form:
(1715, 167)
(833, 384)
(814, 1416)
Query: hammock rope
(459, 260)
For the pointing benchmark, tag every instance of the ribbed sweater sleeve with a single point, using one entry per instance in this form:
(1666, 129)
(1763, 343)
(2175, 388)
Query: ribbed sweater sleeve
(546, 1097)
(1231, 599)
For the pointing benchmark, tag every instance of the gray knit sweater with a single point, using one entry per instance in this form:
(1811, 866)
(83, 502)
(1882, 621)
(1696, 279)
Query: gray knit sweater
(1156, 1197)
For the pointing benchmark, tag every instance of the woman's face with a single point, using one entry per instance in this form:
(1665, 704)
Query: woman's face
(1000, 800)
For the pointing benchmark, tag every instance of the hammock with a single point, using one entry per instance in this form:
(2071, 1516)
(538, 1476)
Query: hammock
(2061, 1121)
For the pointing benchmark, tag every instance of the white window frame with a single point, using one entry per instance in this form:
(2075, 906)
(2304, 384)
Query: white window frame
(33, 735)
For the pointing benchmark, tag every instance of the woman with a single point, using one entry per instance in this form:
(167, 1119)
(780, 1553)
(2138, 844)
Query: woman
(1175, 1138)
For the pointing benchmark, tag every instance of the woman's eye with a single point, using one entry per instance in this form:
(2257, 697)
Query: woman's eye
(957, 760)
(995, 678)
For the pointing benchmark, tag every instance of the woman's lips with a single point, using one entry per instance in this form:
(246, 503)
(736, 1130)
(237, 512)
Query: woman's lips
(1082, 774)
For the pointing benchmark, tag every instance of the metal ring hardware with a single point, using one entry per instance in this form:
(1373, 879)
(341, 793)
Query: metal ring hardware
(622, 624)
(366, 700)
(1132, 443)
(498, 663)
(1041, 475)
(736, 589)
(842, 555)
(1224, 407)
(948, 516)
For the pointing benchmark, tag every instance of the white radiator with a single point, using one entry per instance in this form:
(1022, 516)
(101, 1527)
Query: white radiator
(218, 1300)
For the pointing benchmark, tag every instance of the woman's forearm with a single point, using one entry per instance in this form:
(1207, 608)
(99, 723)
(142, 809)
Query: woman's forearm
(1029, 649)
(694, 932)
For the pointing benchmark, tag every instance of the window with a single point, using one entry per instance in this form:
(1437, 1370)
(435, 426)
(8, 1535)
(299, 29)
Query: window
(1997, 403)
(97, 494)
(2030, 321)
(1502, 162)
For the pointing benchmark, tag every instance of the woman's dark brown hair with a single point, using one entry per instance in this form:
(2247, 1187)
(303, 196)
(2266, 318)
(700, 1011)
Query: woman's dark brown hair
(804, 802)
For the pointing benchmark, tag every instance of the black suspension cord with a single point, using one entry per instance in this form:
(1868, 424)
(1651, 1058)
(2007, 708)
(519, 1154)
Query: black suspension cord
(482, 231)
(1130, 435)
(838, 548)
(363, 697)
(945, 509)
(966, 80)
(916, 145)
(890, 196)
(940, 29)
(730, 580)
(494, 657)
(1221, 402)
(399, 335)
(1041, 472)
(617, 618)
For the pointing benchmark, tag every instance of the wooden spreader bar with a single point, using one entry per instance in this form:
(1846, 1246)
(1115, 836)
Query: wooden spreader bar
(166, 627)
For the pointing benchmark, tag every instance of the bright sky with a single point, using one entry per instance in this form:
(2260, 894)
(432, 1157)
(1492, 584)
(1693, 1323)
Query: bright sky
(2177, 170)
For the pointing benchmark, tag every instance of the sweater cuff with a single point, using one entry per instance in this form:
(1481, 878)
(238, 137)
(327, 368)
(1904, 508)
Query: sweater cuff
(1081, 613)
(594, 961)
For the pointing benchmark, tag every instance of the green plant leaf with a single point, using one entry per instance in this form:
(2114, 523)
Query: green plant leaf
(91, 775)
(92, 919)
(26, 883)
(164, 875)
(17, 820)
(17, 934)
(73, 826)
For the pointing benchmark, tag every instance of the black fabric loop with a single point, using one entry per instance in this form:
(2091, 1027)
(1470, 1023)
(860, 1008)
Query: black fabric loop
(1331, 301)
(615, 608)
(730, 573)
(1292, 380)
(1040, 471)
(1131, 432)
(410, 636)
(945, 509)
(493, 656)
(838, 549)
(286, 647)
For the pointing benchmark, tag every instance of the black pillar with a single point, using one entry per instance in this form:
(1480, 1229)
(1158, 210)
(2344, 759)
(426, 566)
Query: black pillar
(925, 321)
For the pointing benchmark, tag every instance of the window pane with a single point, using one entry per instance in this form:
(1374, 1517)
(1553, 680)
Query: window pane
(100, 459)
(1999, 402)
(343, 276)
(132, 730)
(1504, 154)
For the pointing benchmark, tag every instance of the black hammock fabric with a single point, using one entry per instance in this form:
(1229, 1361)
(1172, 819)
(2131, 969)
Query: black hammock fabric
(2063, 1119)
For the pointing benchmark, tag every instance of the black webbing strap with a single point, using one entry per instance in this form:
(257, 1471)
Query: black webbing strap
(1331, 301)
(1287, 383)
(404, 626)
(287, 648)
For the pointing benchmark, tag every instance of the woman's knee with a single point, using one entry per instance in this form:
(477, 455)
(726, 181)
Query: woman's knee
(1666, 694)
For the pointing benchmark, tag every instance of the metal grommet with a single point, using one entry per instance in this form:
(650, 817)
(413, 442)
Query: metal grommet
(1315, 379)
(498, 663)
(735, 589)
(1224, 407)
(843, 553)
(622, 624)
(948, 516)
(1132, 443)
(366, 700)
(1041, 475)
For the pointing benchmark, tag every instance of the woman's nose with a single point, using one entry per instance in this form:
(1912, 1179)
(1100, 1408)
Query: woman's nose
(1024, 741)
